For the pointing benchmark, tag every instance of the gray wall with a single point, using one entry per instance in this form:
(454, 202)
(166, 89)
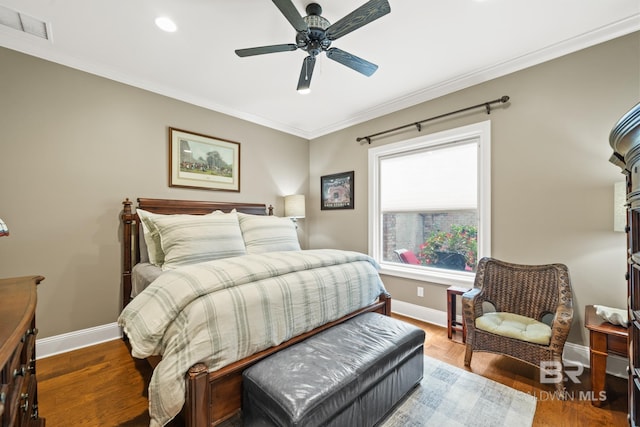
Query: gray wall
(73, 146)
(552, 184)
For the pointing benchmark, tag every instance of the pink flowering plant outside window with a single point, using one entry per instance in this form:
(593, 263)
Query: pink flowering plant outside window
(455, 249)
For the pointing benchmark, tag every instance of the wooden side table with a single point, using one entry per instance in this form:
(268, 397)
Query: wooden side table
(604, 338)
(452, 322)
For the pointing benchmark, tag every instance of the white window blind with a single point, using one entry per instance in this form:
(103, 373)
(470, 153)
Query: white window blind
(440, 178)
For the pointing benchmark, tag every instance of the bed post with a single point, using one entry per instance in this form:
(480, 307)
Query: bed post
(386, 298)
(196, 408)
(127, 225)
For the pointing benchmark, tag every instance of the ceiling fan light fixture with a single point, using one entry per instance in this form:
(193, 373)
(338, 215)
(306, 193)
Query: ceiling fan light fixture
(314, 35)
(304, 91)
(316, 21)
(166, 24)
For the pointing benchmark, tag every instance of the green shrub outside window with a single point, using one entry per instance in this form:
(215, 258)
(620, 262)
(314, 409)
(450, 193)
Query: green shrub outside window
(441, 248)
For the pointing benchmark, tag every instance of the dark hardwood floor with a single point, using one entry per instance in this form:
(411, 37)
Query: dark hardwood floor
(103, 385)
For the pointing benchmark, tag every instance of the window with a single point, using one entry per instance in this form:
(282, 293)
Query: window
(430, 204)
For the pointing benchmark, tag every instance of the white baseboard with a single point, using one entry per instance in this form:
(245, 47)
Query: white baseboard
(418, 312)
(573, 353)
(51, 346)
(57, 344)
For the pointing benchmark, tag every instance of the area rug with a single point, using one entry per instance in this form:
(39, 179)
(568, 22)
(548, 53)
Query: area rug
(452, 397)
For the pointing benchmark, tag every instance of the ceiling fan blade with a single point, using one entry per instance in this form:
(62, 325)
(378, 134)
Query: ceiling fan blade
(305, 74)
(355, 63)
(266, 49)
(291, 13)
(363, 15)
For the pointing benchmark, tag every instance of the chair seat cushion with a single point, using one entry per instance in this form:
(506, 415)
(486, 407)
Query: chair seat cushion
(515, 326)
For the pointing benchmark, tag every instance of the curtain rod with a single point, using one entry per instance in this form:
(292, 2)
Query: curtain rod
(418, 125)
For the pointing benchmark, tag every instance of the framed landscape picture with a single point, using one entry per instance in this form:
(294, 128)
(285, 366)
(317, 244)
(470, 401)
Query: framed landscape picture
(202, 161)
(336, 191)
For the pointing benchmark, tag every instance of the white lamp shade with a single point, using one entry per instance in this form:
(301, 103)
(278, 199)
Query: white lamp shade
(294, 206)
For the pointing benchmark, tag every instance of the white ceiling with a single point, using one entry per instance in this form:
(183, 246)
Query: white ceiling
(424, 49)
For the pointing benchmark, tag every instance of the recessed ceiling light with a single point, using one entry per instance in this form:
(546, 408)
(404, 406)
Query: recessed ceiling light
(166, 24)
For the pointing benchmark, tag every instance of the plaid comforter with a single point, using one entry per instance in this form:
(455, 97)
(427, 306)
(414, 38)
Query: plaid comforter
(220, 311)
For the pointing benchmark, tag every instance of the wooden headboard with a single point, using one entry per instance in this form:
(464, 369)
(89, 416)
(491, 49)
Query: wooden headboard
(131, 233)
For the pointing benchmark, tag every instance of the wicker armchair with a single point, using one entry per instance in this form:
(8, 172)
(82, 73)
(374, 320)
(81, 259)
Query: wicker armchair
(539, 292)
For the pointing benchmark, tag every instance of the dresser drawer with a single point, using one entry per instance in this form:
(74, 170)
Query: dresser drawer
(11, 410)
(4, 390)
(18, 385)
(29, 350)
(15, 367)
(617, 345)
(28, 409)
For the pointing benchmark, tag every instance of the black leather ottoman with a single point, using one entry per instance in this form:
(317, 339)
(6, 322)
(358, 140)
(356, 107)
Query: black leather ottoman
(349, 375)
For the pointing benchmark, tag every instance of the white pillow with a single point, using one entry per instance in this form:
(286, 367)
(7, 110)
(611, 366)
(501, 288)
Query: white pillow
(268, 233)
(151, 236)
(189, 239)
(155, 255)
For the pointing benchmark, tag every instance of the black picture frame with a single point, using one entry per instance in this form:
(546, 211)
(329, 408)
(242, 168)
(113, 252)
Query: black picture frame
(336, 191)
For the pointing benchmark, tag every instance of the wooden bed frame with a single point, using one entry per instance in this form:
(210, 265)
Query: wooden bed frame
(211, 397)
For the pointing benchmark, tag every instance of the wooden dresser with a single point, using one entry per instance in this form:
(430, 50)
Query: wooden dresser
(18, 387)
(625, 141)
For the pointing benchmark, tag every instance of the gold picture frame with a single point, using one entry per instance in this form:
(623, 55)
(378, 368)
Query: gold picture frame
(203, 162)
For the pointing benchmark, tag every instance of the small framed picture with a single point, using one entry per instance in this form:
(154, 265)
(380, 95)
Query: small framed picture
(203, 162)
(336, 191)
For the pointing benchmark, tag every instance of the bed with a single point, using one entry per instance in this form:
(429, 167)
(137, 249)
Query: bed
(211, 384)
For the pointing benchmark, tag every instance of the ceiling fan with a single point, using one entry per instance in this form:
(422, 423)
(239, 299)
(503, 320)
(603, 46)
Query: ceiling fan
(315, 34)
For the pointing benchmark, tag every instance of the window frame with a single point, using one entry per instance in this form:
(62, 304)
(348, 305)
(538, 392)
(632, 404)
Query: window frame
(480, 131)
